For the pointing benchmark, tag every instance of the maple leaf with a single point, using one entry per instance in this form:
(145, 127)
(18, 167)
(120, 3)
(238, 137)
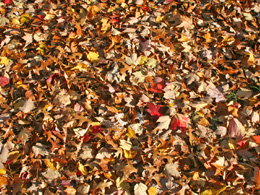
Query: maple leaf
(179, 121)
(4, 81)
(153, 109)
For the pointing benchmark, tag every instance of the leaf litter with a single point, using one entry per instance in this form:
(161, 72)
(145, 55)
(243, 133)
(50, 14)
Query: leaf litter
(129, 97)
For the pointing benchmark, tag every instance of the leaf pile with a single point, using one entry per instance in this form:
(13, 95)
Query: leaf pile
(129, 97)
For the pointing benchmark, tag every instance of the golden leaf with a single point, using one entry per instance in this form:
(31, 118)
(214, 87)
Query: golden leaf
(130, 154)
(2, 171)
(251, 57)
(49, 164)
(93, 56)
(131, 132)
(4, 60)
(25, 18)
(152, 191)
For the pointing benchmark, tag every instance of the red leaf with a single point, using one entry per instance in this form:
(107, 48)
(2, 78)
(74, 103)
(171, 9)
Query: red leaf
(145, 8)
(156, 88)
(96, 129)
(257, 139)
(7, 2)
(53, 77)
(153, 109)
(3, 81)
(41, 16)
(86, 137)
(241, 144)
(179, 122)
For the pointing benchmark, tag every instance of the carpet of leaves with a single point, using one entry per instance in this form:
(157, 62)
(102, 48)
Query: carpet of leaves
(129, 97)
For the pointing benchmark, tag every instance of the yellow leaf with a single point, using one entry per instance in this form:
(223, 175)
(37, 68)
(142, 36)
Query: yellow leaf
(207, 192)
(152, 191)
(2, 171)
(159, 18)
(131, 132)
(15, 21)
(183, 38)
(251, 57)
(95, 123)
(213, 191)
(82, 169)
(81, 67)
(105, 24)
(130, 154)
(25, 18)
(49, 164)
(143, 60)
(4, 60)
(93, 56)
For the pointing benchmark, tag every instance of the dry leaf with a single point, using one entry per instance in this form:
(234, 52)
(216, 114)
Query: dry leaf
(140, 189)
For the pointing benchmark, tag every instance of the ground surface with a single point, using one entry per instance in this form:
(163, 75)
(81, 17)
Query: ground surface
(129, 97)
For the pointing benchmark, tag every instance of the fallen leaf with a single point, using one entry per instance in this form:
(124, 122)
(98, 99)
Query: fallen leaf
(171, 170)
(93, 56)
(82, 169)
(164, 122)
(4, 81)
(27, 106)
(179, 121)
(140, 189)
(235, 128)
(152, 191)
(153, 109)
